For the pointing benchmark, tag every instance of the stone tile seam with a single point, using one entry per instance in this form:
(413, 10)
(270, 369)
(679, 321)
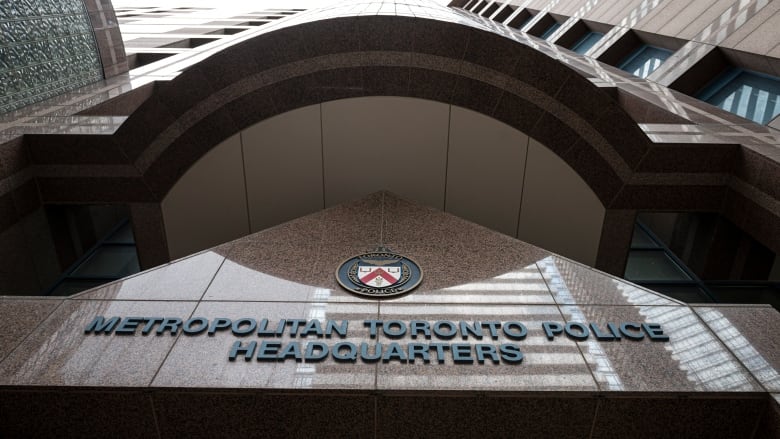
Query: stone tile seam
(747, 19)
(579, 348)
(245, 188)
(709, 35)
(179, 334)
(731, 353)
(522, 192)
(150, 395)
(33, 330)
(595, 417)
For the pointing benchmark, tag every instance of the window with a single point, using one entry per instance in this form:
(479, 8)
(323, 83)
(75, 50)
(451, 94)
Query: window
(747, 94)
(662, 261)
(651, 264)
(586, 42)
(553, 27)
(521, 19)
(644, 60)
(112, 257)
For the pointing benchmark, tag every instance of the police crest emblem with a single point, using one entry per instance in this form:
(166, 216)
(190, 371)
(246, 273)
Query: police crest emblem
(381, 273)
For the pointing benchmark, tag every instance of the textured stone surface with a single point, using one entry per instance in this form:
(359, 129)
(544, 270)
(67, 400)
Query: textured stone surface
(652, 418)
(202, 361)
(27, 314)
(693, 360)
(84, 413)
(562, 387)
(206, 415)
(571, 282)
(59, 353)
(751, 334)
(186, 279)
(549, 366)
(432, 416)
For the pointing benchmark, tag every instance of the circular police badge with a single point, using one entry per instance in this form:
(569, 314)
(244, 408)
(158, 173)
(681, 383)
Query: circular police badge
(379, 274)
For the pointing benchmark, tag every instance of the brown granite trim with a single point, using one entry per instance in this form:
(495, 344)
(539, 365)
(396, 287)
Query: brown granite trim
(203, 413)
(149, 231)
(585, 123)
(320, 83)
(615, 239)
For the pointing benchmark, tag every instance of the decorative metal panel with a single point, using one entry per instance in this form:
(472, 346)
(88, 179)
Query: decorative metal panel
(46, 48)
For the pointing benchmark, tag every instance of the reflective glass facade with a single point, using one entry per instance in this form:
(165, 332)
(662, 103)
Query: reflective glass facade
(748, 94)
(46, 49)
(586, 42)
(644, 60)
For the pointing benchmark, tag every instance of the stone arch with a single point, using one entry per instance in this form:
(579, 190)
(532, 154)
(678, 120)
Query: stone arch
(331, 59)
(503, 76)
(439, 155)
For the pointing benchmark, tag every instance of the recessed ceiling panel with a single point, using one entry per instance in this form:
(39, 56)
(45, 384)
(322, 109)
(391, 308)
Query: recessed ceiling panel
(560, 212)
(485, 169)
(392, 143)
(207, 206)
(283, 165)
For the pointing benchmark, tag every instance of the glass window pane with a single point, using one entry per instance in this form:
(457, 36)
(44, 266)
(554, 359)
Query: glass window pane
(686, 293)
(641, 240)
(644, 60)
(550, 30)
(585, 43)
(652, 265)
(110, 261)
(748, 94)
(525, 22)
(69, 287)
(124, 235)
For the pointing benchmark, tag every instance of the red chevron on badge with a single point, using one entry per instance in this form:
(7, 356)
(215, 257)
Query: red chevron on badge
(379, 276)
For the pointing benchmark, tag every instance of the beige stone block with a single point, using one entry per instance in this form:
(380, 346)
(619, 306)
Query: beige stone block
(393, 143)
(746, 22)
(207, 206)
(486, 162)
(763, 39)
(695, 19)
(661, 15)
(283, 165)
(559, 212)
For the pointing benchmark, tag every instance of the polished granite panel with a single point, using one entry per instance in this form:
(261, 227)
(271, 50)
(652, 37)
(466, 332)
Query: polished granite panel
(357, 221)
(27, 315)
(235, 281)
(59, 353)
(208, 415)
(751, 333)
(513, 285)
(297, 260)
(693, 360)
(202, 360)
(652, 418)
(185, 279)
(48, 413)
(571, 282)
(451, 250)
(547, 365)
(481, 417)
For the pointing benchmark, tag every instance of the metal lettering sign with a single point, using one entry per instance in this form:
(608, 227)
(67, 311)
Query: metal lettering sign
(496, 342)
